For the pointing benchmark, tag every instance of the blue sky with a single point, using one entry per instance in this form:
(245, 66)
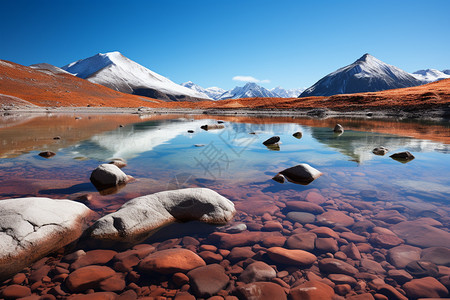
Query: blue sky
(290, 43)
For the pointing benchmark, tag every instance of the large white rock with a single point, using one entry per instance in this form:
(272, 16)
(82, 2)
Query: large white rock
(302, 174)
(107, 175)
(139, 217)
(30, 228)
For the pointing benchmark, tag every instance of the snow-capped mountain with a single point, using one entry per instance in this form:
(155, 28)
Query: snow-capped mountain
(446, 72)
(430, 75)
(367, 74)
(212, 92)
(117, 72)
(249, 90)
(49, 69)
(286, 93)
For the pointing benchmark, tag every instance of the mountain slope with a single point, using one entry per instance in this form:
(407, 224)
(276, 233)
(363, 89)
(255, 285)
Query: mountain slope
(430, 75)
(20, 83)
(250, 90)
(117, 72)
(367, 74)
(286, 93)
(46, 68)
(212, 92)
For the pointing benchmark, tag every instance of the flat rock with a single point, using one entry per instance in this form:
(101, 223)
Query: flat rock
(291, 257)
(342, 279)
(422, 235)
(131, 223)
(302, 241)
(402, 255)
(335, 218)
(15, 291)
(261, 291)
(257, 271)
(427, 287)
(302, 174)
(385, 240)
(325, 232)
(335, 266)
(208, 280)
(312, 290)
(88, 278)
(94, 257)
(437, 255)
(327, 245)
(422, 269)
(372, 266)
(171, 261)
(305, 206)
(30, 228)
(228, 241)
(301, 217)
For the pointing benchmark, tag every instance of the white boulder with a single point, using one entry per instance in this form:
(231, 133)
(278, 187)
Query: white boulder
(107, 175)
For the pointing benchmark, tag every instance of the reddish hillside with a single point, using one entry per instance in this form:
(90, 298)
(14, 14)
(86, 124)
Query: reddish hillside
(48, 89)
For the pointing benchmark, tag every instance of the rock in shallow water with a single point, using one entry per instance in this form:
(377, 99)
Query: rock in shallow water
(137, 218)
(208, 280)
(30, 228)
(261, 291)
(271, 141)
(301, 174)
(108, 175)
(171, 261)
(403, 157)
(380, 151)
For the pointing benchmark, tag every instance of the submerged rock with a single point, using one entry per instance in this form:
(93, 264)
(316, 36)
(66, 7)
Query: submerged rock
(270, 141)
(139, 217)
(108, 175)
(260, 291)
(208, 280)
(380, 150)
(338, 128)
(403, 157)
(301, 174)
(171, 261)
(30, 228)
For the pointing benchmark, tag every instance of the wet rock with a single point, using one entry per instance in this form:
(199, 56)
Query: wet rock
(302, 174)
(171, 261)
(210, 257)
(236, 228)
(279, 178)
(260, 291)
(271, 141)
(327, 245)
(338, 128)
(385, 240)
(380, 150)
(131, 223)
(298, 135)
(390, 292)
(208, 280)
(402, 255)
(291, 257)
(273, 241)
(325, 232)
(422, 235)
(257, 271)
(315, 197)
(437, 255)
(302, 241)
(372, 266)
(390, 216)
(15, 291)
(342, 279)
(335, 218)
(312, 290)
(190, 131)
(94, 257)
(108, 175)
(240, 253)
(274, 147)
(400, 276)
(47, 154)
(422, 269)
(301, 217)
(331, 265)
(228, 241)
(113, 284)
(272, 226)
(403, 157)
(118, 162)
(212, 127)
(199, 145)
(352, 237)
(365, 296)
(30, 228)
(427, 287)
(304, 206)
(88, 278)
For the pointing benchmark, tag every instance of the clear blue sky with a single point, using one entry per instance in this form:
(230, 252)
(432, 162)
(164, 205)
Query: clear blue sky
(291, 43)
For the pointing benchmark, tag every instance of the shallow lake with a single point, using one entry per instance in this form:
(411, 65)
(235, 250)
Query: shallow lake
(161, 154)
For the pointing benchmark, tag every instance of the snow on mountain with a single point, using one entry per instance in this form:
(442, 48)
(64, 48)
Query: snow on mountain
(115, 71)
(212, 92)
(367, 74)
(430, 75)
(49, 69)
(446, 72)
(286, 93)
(250, 90)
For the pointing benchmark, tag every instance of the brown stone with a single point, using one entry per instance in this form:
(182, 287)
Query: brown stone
(272, 226)
(327, 245)
(325, 232)
(229, 241)
(94, 257)
(372, 266)
(331, 265)
(427, 287)
(273, 241)
(257, 271)
(437, 255)
(95, 296)
(335, 218)
(312, 290)
(88, 277)
(390, 292)
(171, 261)
(302, 241)
(342, 279)
(291, 257)
(210, 257)
(208, 280)
(240, 253)
(422, 235)
(15, 291)
(179, 279)
(315, 197)
(365, 296)
(402, 255)
(112, 284)
(261, 291)
(352, 237)
(304, 206)
(385, 240)
(400, 276)
(125, 261)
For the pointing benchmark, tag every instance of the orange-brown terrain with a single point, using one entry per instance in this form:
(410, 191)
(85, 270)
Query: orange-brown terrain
(23, 85)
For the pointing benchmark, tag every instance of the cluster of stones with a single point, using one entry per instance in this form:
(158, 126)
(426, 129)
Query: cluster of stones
(310, 247)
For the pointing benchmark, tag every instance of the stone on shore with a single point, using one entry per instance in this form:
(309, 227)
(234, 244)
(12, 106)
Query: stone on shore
(171, 261)
(302, 174)
(131, 223)
(30, 228)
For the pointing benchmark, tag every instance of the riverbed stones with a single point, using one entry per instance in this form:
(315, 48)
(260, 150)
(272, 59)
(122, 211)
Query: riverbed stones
(427, 287)
(302, 174)
(260, 291)
(271, 141)
(88, 277)
(312, 290)
(422, 235)
(30, 228)
(331, 265)
(291, 256)
(257, 271)
(304, 206)
(171, 261)
(437, 255)
(335, 218)
(302, 241)
(208, 280)
(422, 269)
(402, 255)
(15, 291)
(131, 222)
(301, 217)
(108, 175)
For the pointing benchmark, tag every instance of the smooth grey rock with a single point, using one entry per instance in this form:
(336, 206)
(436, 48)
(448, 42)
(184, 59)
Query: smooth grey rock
(140, 217)
(107, 175)
(30, 228)
(301, 217)
(236, 228)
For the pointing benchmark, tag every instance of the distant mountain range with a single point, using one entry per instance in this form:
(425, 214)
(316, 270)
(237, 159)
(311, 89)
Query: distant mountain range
(119, 73)
(369, 74)
(213, 93)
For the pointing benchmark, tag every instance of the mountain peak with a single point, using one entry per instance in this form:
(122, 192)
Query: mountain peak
(366, 57)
